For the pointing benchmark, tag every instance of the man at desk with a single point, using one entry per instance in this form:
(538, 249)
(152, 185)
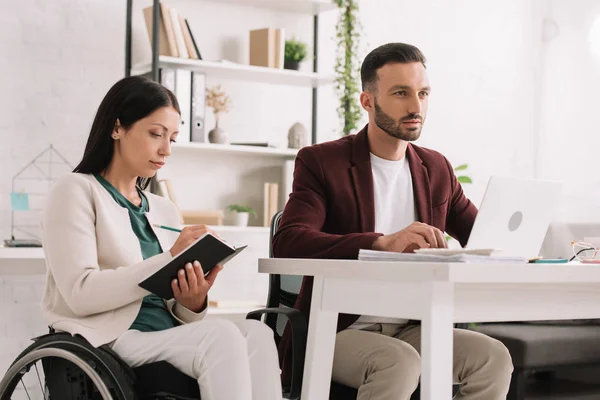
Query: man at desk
(377, 190)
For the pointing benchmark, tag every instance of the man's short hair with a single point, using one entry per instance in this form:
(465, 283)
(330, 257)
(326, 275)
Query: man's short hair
(387, 53)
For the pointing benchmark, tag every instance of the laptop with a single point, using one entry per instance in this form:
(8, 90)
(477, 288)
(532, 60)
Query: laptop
(514, 216)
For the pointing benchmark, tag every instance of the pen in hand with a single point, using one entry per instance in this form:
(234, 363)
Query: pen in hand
(168, 228)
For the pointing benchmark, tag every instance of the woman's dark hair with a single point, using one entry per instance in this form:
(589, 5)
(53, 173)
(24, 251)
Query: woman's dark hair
(388, 53)
(129, 100)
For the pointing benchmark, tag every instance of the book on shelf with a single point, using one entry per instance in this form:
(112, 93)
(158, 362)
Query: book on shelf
(279, 47)
(262, 47)
(175, 36)
(178, 32)
(196, 51)
(164, 48)
(166, 19)
(271, 202)
(187, 37)
(267, 47)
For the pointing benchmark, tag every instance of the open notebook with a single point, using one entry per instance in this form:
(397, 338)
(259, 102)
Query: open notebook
(208, 250)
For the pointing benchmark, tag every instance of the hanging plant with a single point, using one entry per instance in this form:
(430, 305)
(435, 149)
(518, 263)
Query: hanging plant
(347, 65)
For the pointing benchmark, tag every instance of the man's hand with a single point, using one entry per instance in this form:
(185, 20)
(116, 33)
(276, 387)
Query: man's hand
(191, 286)
(416, 236)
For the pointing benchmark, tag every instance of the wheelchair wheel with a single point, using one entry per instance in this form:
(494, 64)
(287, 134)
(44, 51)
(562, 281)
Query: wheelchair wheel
(71, 369)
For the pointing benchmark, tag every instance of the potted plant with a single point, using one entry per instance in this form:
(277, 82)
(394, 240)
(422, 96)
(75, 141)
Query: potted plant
(241, 214)
(218, 100)
(295, 52)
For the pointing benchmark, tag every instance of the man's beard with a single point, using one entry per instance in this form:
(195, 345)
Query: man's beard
(394, 128)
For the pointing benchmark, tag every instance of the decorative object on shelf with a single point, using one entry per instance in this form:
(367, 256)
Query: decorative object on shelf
(297, 136)
(29, 186)
(347, 64)
(295, 53)
(218, 100)
(241, 214)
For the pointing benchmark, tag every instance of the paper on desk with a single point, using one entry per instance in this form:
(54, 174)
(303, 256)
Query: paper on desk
(375, 255)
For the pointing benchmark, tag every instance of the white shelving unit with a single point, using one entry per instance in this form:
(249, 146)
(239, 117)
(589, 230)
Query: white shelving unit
(247, 73)
(211, 176)
(235, 149)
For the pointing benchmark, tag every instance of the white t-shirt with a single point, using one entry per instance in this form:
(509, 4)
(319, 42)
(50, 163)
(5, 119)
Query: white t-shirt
(394, 211)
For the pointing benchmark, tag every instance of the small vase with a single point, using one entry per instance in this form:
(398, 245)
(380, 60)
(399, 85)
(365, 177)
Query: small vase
(217, 135)
(294, 65)
(240, 218)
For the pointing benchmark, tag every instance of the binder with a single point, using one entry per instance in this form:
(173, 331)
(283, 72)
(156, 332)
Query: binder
(167, 78)
(183, 92)
(198, 107)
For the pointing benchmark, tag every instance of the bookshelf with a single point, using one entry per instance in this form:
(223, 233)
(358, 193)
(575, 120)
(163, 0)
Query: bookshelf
(240, 71)
(209, 176)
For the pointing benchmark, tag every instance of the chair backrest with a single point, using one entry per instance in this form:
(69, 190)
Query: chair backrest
(283, 289)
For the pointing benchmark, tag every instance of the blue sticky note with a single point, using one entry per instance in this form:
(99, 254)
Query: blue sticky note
(19, 201)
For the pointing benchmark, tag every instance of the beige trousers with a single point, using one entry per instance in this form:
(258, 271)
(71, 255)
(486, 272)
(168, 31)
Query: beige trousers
(383, 363)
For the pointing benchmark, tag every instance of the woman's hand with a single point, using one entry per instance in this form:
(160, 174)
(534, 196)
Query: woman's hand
(191, 286)
(189, 235)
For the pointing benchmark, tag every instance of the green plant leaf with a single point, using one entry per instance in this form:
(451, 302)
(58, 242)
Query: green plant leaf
(462, 167)
(464, 179)
(294, 50)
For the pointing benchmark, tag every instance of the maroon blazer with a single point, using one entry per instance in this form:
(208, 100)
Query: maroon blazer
(331, 212)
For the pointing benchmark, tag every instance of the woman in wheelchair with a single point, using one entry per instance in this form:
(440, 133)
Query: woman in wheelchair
(99, 242)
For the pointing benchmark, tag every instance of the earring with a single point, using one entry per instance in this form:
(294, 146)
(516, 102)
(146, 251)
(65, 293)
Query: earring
(114, 136)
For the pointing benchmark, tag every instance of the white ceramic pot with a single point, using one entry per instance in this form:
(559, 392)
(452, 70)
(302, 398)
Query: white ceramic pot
(240, 218)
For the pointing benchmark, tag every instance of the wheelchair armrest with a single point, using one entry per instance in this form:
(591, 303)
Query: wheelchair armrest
(299, 330)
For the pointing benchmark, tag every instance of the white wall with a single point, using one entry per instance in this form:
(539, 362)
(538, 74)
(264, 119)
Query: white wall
(480, 56)
(570, 121)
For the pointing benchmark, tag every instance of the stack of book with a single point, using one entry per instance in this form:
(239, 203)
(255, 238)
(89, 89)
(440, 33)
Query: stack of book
(175, 36)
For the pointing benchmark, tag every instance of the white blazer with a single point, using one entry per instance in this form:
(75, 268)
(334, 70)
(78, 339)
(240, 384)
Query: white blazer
(94, 260)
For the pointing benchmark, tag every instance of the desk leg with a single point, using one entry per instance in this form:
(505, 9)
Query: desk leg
(437, 342)
(319, 347)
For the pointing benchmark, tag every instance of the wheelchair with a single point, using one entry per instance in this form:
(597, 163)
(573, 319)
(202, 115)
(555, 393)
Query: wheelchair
(72, 369)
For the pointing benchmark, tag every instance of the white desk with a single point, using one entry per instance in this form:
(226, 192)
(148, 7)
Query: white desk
(22, 261)
(438, 294)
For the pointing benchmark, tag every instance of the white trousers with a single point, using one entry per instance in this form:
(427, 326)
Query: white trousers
(231, 361)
